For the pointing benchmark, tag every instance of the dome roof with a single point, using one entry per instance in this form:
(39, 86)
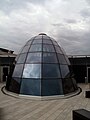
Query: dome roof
(42, 69)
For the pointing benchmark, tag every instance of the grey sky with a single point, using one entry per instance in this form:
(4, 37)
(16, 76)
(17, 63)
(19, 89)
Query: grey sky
(68, 21)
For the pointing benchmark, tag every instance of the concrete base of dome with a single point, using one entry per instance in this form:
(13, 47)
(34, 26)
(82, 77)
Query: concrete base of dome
(31, 97)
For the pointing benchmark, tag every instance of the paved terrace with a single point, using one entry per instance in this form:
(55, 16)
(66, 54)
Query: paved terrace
(20, 109)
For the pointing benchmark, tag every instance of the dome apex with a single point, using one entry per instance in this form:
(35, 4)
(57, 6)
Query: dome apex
(42, 34)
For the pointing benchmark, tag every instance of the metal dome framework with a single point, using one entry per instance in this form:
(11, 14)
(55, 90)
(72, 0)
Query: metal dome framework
(42, 69)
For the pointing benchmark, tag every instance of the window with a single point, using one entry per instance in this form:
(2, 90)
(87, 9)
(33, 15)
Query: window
(49, 58)
(54, 42)
(32, 71)
(58, 50)
(30, 87)
(48, 48)
(15, 85)
(47, 41)
(18, 70)
(63, 51)
(21, 58)
(37, 47)
(65, 71)
(37, 41)
(68, 86)
(33, 57)
(25, 48)
(51, 71)
(29, 42)
(68, 62)
(61, 59)
(51, 87)
(38, 37)
(46, 37)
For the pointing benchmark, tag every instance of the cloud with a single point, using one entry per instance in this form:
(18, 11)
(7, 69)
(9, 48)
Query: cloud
(85, 13)
(57, 24)
(8, 6)
(88, 1)
(70, 21)
(66, 21)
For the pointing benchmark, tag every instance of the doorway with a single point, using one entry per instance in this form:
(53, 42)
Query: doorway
(88, 74)
(5, 73)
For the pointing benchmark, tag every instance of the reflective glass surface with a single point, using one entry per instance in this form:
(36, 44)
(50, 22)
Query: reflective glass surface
(63, 51)
(65, 71)
(37, 41)
(45, 37)
(30, 87)
(22, 58)
(48, 48)
(32, 71)
(16, 58)
(51, 87)
(51, 71)
(38, 37)
(58, 50)
(54, 42)
(61, 59)
(25, 49)
(47, 41)
(49, 58)
(18, 70)
(29, 42)
(33, 57)
(35, 47)
(74, 83)
(15, 85)
(68, 62)
(68, 86)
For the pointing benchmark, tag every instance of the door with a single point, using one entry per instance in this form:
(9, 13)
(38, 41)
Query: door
(88, 74)
(5, 73)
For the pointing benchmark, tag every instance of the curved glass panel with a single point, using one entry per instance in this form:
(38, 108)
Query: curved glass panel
(51, 71)
(35, 47)
(46, 37)
(61, 59)
(63, 51)
(22, 58)
(54, 42)
(38, 37)
(74, 83)
(54, 87)
(18, 70)
(48, 48)
(32, 71)
(29, 42)
(58, 50)
(34, 57)
(15, 85)
(37, 41)
(16, 58)
(49, 58)
(31, 87)
(25, 48)
(47, 41)
(65, 71)
(68, 62)
(68, 86)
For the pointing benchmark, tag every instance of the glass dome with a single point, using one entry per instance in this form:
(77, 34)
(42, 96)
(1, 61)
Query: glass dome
(42, 69)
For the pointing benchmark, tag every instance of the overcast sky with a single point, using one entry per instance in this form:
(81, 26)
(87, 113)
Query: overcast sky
(67, 21)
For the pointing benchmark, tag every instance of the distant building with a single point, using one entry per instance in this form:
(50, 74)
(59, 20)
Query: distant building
(81, 67)
(6, 59)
